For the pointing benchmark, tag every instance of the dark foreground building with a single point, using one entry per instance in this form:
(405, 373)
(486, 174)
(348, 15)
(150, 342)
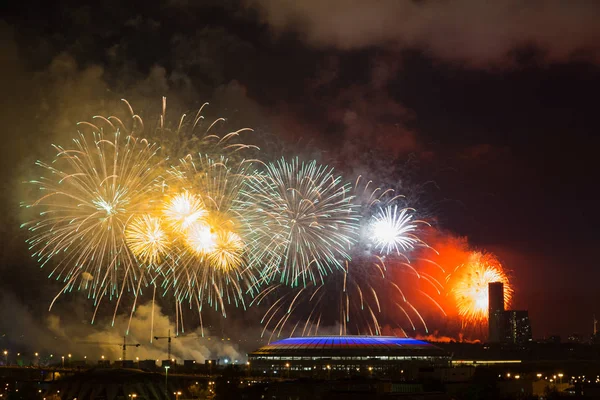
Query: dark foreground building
(120, 383)
(346, 355)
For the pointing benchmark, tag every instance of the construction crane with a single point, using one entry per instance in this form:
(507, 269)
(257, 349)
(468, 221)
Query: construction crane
(124, 345)
(168, 337)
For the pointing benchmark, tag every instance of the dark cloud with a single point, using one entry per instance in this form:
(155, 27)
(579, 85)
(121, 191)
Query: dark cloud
(354, 120)
(468, 32)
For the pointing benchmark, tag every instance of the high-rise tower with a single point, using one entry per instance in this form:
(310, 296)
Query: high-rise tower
(496, 311)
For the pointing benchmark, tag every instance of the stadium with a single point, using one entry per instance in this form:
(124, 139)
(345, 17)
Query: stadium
(347, 355)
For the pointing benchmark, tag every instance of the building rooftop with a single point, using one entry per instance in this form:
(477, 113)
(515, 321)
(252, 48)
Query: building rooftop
(342, 345)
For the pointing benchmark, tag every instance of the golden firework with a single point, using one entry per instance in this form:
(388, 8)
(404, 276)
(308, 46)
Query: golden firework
(183, 210)
(147, 239)
(227, 253)
(201, 238)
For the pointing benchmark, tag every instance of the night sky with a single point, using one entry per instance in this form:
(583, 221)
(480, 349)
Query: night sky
(491, 111)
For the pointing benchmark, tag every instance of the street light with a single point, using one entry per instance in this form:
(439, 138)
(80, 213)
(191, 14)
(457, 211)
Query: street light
(5, 357)
(63, 361)
(167, 379)
(560, 375)
(209, 367)
(287, 365)
(177, 394)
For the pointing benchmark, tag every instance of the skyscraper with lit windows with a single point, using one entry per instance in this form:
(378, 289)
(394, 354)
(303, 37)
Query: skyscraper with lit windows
(517, 329)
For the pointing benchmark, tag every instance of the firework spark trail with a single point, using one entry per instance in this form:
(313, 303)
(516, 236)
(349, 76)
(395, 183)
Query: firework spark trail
(88, 197)
(469, 286)
(214, 229)
(352, 297)
(308, 222)
(194, 135)
(209, 265)
(104, 219)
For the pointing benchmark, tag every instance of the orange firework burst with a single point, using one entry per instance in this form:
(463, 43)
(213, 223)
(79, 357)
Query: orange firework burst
(469, 286)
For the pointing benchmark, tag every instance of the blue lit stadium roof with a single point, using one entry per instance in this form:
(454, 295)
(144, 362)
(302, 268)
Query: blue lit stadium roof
(359, 345)
(348, 341)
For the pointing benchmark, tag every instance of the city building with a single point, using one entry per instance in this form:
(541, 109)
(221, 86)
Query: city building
(496, 312)
(506, 326)
(574, 338)
(556, 339)
(517, 329)
(149, 365)
(346, 355)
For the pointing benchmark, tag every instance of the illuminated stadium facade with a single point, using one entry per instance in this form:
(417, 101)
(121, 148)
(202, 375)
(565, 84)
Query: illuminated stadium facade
(346, 355)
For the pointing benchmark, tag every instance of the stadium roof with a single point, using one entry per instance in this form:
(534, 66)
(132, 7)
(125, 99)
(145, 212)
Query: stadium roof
(349, 345)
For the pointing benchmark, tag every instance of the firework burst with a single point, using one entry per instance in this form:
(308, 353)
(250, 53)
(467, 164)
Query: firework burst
(209, 266)
(469, 286)
(200, 238)
(109, 218)
(147, 239)
(213, 228)
(227, 252)
(307, 221)
(88, 196)
(184, 210)
(393, 230)
(371, 290)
